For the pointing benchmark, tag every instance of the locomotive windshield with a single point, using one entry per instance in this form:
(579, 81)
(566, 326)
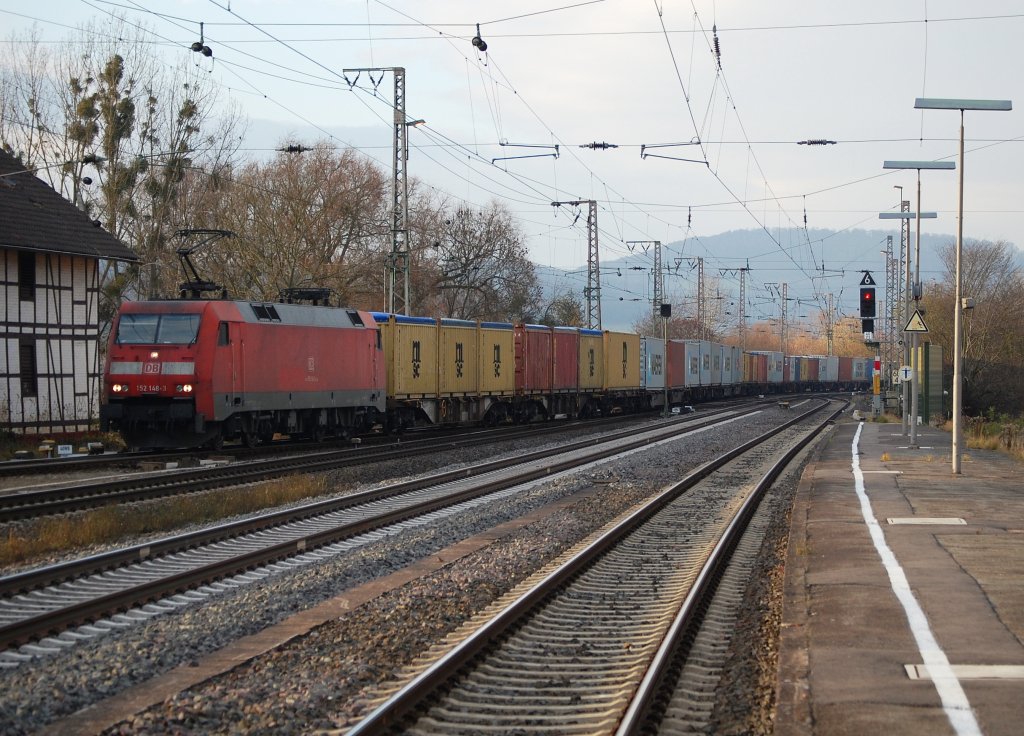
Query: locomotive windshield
(157, 329)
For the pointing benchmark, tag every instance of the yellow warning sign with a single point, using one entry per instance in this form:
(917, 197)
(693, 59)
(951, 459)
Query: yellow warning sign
(916, 323)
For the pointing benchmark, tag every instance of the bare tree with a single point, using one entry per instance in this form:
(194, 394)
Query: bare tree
(993, 344)
(680, 327)
(484, 269)
(27, 113)
(565, 309)
(316, 218)
(114, 130)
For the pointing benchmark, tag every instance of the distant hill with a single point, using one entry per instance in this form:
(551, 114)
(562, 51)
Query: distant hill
(811, 262)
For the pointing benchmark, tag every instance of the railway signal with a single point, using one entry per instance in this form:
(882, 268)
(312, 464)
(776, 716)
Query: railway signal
(867, 296)
(867, 303)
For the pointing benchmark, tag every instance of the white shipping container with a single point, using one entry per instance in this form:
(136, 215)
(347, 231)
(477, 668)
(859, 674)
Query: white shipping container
(652, 362)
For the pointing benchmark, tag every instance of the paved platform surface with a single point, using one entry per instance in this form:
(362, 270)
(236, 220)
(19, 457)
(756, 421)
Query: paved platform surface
(897, 565)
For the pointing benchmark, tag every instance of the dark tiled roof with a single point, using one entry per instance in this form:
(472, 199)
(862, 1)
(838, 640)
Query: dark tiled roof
(35, 217)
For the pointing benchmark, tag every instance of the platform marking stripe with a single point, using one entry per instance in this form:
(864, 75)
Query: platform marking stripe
(954, 699)
(927, 521)
(971, 671)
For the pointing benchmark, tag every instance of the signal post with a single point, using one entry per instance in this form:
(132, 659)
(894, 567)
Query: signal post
(867, 326)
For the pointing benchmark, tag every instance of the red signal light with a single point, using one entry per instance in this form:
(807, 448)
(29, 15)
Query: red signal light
(867, 302)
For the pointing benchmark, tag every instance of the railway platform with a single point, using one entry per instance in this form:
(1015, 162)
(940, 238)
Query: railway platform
(904, 590)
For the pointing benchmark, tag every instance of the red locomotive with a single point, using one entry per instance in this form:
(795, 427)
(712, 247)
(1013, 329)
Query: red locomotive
(191, 373)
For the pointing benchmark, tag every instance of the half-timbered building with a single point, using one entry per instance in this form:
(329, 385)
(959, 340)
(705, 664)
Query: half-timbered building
(52, 261)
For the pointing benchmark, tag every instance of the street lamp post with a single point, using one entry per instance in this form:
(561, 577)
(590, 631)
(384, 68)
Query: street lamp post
(905, 216)
(915, 358)
(933, 103)
(904, 310)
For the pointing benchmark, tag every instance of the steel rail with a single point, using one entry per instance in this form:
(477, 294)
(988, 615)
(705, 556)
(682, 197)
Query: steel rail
(142, 487)
(49, 622)
(389, 714)
(644, 699)
(11, 468)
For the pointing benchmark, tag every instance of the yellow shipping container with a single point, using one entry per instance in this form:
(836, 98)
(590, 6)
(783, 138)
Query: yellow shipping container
(410, 352)
(458, 358)
(591, 360)
(496, 353)
(621, 361)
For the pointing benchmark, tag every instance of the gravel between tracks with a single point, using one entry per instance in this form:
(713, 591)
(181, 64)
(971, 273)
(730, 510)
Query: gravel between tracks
(319, 680)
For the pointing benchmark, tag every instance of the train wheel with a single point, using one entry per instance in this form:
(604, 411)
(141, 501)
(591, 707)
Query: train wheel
(250, 440)
(265, 431)
(216, 443)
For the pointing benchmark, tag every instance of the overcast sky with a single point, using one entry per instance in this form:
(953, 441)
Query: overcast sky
(635, 74)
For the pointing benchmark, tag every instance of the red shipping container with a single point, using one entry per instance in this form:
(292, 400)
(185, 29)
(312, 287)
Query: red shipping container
(567, 357)
(845, 369)
(787, 370)
(534, 358)
(676, 364)
(759, 368)
(810, 370)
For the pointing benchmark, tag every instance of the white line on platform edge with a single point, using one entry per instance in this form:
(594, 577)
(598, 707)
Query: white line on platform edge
(954, 699)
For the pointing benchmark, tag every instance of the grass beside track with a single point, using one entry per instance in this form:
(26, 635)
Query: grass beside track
(27, 541)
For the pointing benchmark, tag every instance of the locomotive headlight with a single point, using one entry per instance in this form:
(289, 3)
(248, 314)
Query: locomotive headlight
(154, 355)
(185, 388)
(119, 388)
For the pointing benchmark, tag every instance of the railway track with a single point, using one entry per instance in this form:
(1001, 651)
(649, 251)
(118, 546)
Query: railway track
(37, 466)
(43, 605)
(77, 496)
(128, 459)
(589, 646)
(85, 463)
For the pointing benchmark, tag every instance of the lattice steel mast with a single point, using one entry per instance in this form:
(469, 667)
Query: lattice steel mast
(399, 259)
(593, 289)
(658, 297)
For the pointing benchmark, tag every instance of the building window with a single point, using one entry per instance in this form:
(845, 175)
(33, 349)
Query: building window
(29, 372)
(26, 276)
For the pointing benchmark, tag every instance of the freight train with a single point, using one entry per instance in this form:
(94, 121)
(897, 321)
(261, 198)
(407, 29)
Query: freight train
(193, 373)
